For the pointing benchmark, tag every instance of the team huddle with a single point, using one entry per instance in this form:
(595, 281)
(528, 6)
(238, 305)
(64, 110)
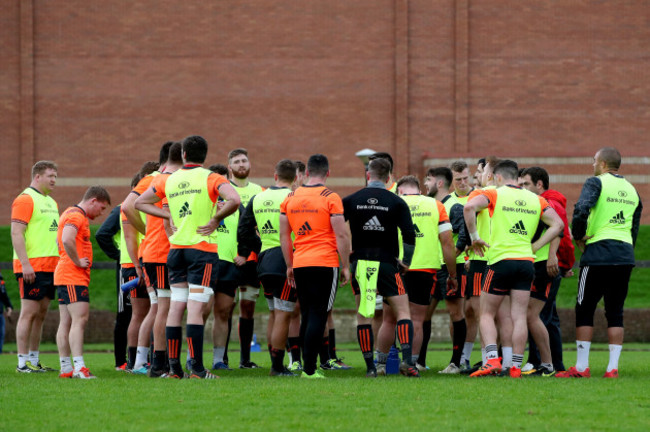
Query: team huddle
(494, 248)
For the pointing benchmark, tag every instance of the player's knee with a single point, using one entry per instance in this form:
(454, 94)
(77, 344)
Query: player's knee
(200, 293)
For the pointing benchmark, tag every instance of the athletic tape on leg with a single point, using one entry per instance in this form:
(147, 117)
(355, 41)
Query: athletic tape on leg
(164, 293)
(200, 293)
(179, 294)
(250, 294)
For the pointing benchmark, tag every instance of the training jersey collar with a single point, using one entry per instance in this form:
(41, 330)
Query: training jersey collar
(41, 193)
(82, 210)
(376, 184)
(191, 166)
(314, 185)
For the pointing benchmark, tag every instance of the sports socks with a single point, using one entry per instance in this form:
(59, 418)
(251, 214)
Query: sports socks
(582, 361)
(507, 356)
(158, 360)
(195, 345)
(174, 337)
(366, 342)
(141, 357)
(225, 354)
(245, 338)
(277, 359)
(66, 364)
(426, 336)
(614, 355)
(217, 354)
(324, 352)
(33, 357)
(78, 363)
(131, 354)
(460, 333)
(332, 343)
(517, 360)
(467, 351)
(491, 352)
(294, 348)
(405, 336)
(22, 359)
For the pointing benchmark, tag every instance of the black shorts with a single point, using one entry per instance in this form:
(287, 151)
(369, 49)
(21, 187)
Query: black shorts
(420, 286)
(72, 294)
(248, 275)
(507, 275)
(441, 284)
(461, 278)
(156, 275)
(43, 286)
(193, 266)
(227, 279)
(596, 282)
(271, 262)
(128, 274)
(389, 281)
(278, 287)
(542, 283)
(474, 278)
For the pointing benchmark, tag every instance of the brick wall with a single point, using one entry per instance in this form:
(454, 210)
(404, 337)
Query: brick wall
(99, 86)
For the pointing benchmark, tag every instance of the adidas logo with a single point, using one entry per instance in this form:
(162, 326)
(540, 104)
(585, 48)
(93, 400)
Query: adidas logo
(618, 219)
(268, 228)
(185, 210)
(417, 231)
(370, 271)
(519, 228)
(222, 229)
(373, 225)
(54, 226)
(305, 229)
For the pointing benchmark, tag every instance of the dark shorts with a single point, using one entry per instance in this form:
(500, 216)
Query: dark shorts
(461, 278)
(278, 287)
(271, 262)
(420, 286)
(140, 291)
(43, 286)
(507, 275)
(72, 294)
(156, 275)
(597, 282)
(226, 282)
(248, 275)
(441, 284)
(193, 266)
(542, 283)
(389, 281)
(316, 288)
(475, 277)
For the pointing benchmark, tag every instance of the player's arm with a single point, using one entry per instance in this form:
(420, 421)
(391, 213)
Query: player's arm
(68, 237)
(472, 207)
(287, 246)
(552, 267)
(555, 227)
(342, 233)
(131, 241)
(232, 201)
(107, 231)
(587, 200)
(636, 221)
(146, 204)
(129, 209)
(18, 240)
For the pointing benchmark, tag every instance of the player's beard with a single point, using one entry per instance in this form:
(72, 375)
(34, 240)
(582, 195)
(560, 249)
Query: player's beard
(433, 192)
(241, 174)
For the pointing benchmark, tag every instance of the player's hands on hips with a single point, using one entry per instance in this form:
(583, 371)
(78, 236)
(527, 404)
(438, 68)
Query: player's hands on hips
(84, 262)
(209, 228)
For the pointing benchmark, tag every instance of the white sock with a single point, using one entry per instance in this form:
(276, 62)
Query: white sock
(22, 359)
(33, 357)
(483, 356)
(614, 354)
(66, 364)
(467, 352)
(582, 362)
(141, 357)
(217, 354)
(507, 356)
(78, 363)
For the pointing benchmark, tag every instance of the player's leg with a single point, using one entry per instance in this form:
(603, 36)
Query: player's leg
(63, 340)
(79, 312)
(615, 294)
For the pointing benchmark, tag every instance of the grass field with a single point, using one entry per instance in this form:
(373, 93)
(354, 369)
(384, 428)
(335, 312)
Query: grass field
(249, 399)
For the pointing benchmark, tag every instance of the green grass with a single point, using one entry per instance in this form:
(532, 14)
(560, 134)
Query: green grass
(249, 399)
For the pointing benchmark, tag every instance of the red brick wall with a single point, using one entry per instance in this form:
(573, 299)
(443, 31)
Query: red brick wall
(99, 86)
